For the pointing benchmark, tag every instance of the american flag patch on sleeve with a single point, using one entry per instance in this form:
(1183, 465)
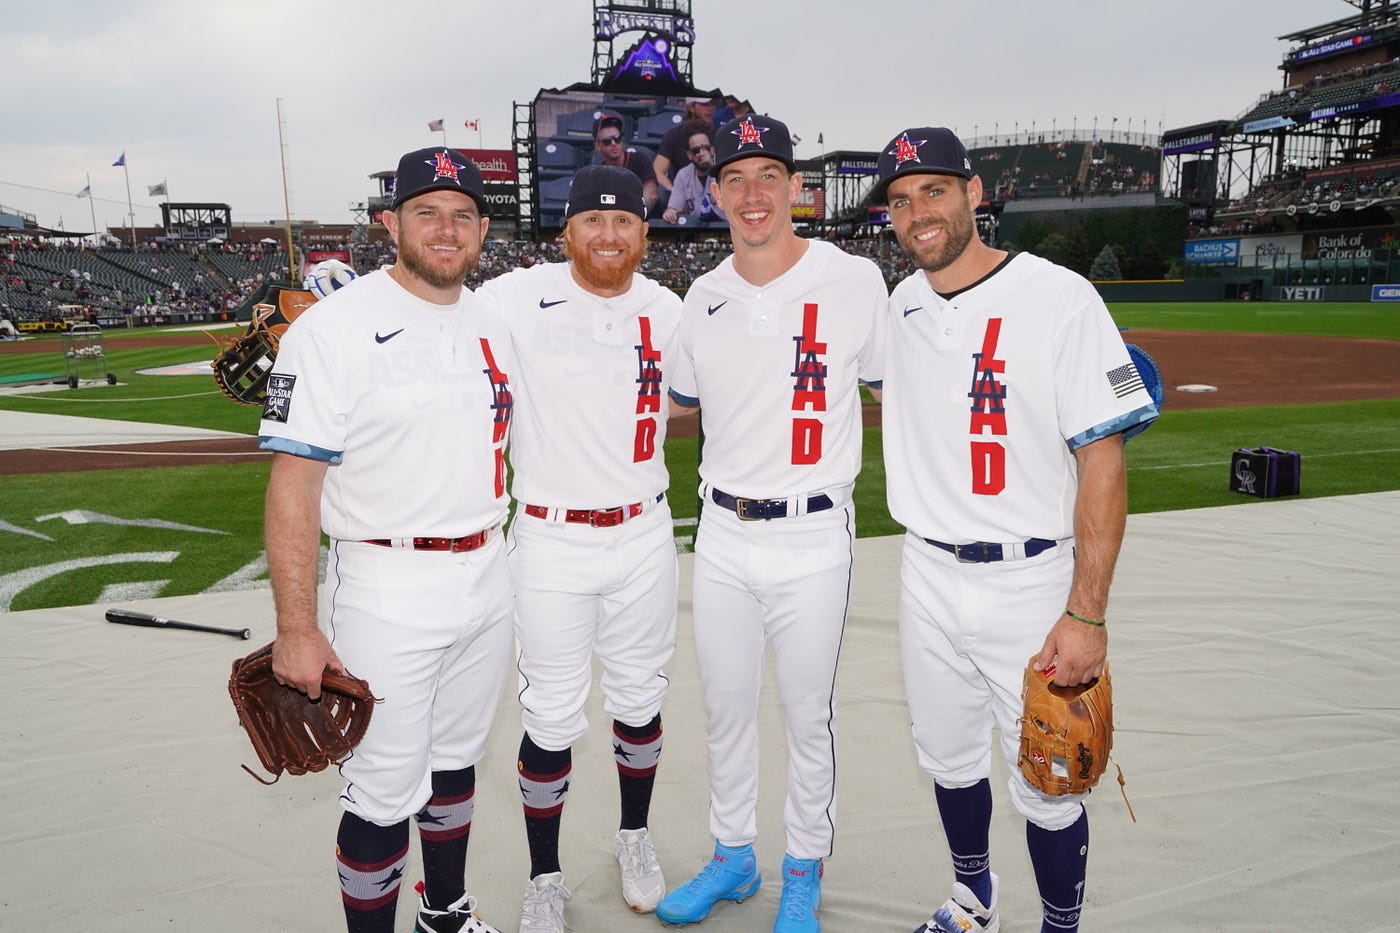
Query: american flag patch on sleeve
(1124, 380)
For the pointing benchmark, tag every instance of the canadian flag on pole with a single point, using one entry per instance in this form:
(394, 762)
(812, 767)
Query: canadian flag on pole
(474, 124)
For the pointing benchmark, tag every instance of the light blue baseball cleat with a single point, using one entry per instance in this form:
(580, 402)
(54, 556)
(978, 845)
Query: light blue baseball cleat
(731, 875)
(802, 896)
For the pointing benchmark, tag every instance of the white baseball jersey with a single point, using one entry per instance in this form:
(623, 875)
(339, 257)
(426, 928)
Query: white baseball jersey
(775, 370)
(408, 401)
(987, 394)
(592, 412)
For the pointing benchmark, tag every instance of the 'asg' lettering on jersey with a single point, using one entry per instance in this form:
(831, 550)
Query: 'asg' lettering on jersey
(501, 403)
(988, 415)
(808, 389)
(648, 394)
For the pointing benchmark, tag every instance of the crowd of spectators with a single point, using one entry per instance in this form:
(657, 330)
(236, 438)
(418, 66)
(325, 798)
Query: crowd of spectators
(1067, 169)
(67, 280)
(53, 282)
(1328, 89)
(1296, 191)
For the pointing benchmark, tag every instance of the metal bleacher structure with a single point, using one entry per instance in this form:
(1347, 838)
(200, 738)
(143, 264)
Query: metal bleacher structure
(1313, 164)
(108, 282)
(1332, 128)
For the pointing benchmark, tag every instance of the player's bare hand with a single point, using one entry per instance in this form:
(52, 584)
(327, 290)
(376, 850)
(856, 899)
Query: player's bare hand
(299, 658)
(1078, 651)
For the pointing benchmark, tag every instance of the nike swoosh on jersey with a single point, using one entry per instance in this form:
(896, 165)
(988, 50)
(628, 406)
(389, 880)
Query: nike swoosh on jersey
(550, 304)
(909, 311)
(385, 338)
(713, 308)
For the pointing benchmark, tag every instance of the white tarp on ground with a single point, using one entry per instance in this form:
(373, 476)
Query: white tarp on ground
(21, 430)
(1256, 662)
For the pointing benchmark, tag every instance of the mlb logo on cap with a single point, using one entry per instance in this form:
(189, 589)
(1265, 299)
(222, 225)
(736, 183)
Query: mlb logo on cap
(925, 150)
(438, 169)
(605, 188)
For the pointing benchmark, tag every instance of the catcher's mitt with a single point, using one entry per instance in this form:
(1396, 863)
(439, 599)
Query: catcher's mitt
(290, 732)
(1066, 732)
(243, 363)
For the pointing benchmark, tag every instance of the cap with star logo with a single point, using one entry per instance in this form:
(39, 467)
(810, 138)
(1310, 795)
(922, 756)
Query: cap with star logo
(753, 135)
(438, 169)
(927, 150)
(605, 188)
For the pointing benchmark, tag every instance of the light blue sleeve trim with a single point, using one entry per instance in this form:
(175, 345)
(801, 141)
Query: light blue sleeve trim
(286, 445)
(684, 400)
(873, 383)
(1129, 425)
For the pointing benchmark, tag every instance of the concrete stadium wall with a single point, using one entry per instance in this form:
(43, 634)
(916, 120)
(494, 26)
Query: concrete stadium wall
(1167, 290)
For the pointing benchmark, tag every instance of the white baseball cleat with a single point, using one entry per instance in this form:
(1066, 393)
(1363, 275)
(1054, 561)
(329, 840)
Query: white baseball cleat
(459, 917)
(964, 913)
(543, 910)
(643, 886)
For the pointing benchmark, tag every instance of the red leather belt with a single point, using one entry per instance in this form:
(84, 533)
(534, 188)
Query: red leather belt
(455, 545)
(598, 518)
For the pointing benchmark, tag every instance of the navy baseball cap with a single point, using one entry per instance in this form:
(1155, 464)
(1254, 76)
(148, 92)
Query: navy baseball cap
(438, 169)
(926, 150)
(753, 135)
(605, 188)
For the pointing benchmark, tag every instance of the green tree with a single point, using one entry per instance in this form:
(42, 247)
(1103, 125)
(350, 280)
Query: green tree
(1105, 267)
(1055, 248)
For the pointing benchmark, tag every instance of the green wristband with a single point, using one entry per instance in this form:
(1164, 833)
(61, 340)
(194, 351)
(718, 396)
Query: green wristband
(1082, 619)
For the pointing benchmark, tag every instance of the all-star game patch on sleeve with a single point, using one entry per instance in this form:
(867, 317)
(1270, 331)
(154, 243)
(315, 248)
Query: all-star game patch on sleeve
(1125, 380)
(279, 398)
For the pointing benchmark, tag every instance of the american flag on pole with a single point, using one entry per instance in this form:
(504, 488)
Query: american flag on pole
(435, 126)
(1124, 380)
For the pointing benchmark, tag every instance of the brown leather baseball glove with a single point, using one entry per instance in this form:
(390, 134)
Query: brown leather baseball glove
(290, 732)
(244, 362)
(1066, 732)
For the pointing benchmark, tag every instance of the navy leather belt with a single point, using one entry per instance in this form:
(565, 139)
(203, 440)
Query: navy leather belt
(752, 510)
(982, 552)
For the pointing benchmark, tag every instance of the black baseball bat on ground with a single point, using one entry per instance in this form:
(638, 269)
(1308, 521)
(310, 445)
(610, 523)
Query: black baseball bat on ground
(128, 617)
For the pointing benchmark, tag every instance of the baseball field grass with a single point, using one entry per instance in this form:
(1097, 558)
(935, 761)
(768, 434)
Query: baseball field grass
(199, 528)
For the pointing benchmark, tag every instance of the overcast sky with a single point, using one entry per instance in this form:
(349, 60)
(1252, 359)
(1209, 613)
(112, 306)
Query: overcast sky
(188, 89)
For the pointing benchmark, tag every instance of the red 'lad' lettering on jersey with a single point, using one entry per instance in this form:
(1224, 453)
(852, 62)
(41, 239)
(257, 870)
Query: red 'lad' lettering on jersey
(988, 415)
(648, 394)
(809, 388)
(501, 403)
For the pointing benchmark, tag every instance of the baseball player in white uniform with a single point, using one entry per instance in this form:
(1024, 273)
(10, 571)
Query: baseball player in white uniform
(1008, 394)
(591, 549)
(388, 409)
(773, 343)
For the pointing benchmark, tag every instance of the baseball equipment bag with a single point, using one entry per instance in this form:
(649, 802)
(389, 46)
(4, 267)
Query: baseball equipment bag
(243, 363)
(1066, 732)
(291, 732)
